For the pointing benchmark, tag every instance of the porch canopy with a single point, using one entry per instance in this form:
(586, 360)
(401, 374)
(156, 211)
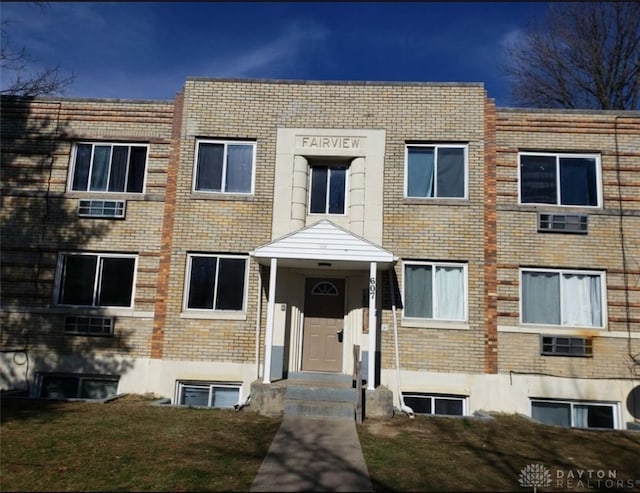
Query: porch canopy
(326, 245)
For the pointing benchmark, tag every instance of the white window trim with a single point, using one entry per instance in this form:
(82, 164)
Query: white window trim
(603, 301)
(180, 384)
(455, 323)
(59, 272)
(213, 312)
(338, 164)
(72, 167)
(226, 143)
(559, 155)
(465, 147)
(614, 406)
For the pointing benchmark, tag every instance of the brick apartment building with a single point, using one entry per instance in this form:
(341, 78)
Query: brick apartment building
(211, 247)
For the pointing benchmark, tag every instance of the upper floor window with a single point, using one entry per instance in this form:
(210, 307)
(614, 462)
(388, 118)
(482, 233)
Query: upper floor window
(96, 280)
(225, 166)
(559, 179)
(328, 189)
(435, 171)
(216, 282)
(435, 291)
(109, 167)
(562, 297)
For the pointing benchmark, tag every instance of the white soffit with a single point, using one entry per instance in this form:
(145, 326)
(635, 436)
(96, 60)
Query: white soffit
(324, 240)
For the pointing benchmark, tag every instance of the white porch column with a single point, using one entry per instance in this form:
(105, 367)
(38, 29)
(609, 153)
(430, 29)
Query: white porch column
(268, 337)
(372, 326)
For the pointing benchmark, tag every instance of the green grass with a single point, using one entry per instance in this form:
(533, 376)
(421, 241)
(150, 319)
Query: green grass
(130, 445)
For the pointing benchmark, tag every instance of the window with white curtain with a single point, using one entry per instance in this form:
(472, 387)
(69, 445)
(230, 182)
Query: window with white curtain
(435, 171)
(434, 290)
(575, 414)
(562, 297)
(225, 166)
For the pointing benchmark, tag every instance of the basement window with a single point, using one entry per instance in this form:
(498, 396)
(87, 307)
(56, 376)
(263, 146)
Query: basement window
(438, 404)
(76, 386)
(574, 414)
(207, 394)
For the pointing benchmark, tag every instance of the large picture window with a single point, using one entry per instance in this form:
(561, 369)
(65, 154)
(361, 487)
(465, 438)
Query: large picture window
(574, 414)
(562, 297)
(559, 179)
(226, 167)
(435, 171)
(216, 282)
(96, 280)
(109, 167)
(435, 291)
(328, 189)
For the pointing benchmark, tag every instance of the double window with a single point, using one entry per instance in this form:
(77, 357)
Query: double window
(96, 280)
(439, 404)
(328, 188)
(574, 414)
(109, 167)
(559, 179)
(225, 166)
(435, 291)
(435, 171)
(208, 394)
(562, 297)
(216, 282)
(73, 386)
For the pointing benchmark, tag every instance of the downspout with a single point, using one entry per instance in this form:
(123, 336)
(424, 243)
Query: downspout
(403, 407)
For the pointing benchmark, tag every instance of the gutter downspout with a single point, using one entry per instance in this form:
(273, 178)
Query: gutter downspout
(403, 407)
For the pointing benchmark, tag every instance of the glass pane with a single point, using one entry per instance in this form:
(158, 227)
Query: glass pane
(81, 170)
(225, 397)
(195, 396)
(551, 413)
(203, 276)
(137, 163)
(581, 303)
(209, 173)
(541, 297)
(450, 172)
(449, 293)
(597, 416)
(98, 389)
(59, 387)
(118, 168)
(578, 184)
(100, 168)
(230, 294)
(420, 172)
(337, 186)
(450, 407)
(78, 279)
(419, 404)
(318, 202)
(418, 291)
(538, 180)
(239, 168)
(116, 283)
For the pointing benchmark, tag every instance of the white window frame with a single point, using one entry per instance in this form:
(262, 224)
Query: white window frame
(436, 146)
(226, 144)
(434, 396)
(560, 272)
(329, 165)
(434, 265)
(100, 255)
(558, 156)
(211, 386)
(93, 144)
(572, 403)
(187, 283)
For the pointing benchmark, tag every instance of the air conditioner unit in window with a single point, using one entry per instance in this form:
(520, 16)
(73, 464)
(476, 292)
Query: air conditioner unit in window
(88, 325)
(562, 223)
(112, 209)
(566, 346)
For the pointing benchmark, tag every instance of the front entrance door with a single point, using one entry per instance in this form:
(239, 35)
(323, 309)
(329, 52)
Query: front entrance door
(323, 325)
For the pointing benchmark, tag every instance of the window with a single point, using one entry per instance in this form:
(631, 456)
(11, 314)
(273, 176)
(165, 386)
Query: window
(208, 394)
(574, 414)
(559, 179)
(328, 189)
(568, 298)
(566, 346)
(435, 171)
(216, 282)
(435, 291)
(109, 167)
(96, 280)
(226, 167)
(440, 404)
(71, 386)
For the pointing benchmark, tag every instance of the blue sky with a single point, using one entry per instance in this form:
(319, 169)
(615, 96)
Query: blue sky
(145, 50)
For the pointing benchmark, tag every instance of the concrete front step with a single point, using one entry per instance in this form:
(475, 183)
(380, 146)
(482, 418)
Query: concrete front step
(320, 394)
(319, 408)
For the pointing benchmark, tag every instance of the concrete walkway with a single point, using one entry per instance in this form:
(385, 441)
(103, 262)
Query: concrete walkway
(312, 453)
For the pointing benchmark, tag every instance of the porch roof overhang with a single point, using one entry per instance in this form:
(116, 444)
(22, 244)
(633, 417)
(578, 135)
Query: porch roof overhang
(324, 243)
